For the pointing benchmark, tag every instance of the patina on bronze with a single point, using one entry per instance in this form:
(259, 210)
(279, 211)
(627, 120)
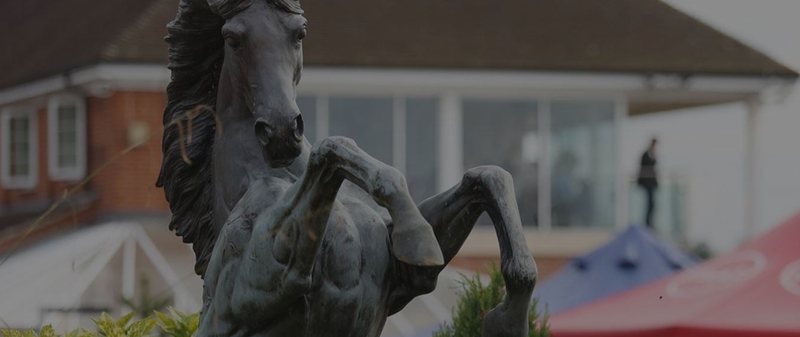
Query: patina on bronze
(295, 240)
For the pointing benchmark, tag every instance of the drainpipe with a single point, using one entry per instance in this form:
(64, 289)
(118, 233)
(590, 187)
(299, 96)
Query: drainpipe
(621, 178)
(753, 106)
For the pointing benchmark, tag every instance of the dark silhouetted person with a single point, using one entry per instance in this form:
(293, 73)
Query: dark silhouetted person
(648, 180)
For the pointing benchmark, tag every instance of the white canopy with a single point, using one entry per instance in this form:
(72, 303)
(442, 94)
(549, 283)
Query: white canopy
(91, 268)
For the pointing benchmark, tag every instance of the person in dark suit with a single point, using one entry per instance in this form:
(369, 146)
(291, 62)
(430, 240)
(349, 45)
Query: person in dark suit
(648, 180)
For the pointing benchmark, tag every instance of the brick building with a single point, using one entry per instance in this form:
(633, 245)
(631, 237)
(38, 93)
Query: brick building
(82, 98)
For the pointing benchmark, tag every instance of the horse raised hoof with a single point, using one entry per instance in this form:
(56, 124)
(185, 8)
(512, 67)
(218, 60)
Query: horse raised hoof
(414, 242)
(501, 321)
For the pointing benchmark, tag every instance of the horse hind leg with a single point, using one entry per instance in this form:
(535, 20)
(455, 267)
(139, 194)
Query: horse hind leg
(510, 318)
(454, 213)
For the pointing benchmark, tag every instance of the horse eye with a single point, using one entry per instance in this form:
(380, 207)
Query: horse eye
(234, 43)
(302, 34)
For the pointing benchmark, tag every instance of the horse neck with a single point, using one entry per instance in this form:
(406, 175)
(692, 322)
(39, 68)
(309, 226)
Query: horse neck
(236, 157)
(238, 162)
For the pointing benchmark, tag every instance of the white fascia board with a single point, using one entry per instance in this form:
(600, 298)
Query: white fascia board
(32, 89)
(333, 79)
(449, 80)
(104, 78)
(124, 76)
(724, 84)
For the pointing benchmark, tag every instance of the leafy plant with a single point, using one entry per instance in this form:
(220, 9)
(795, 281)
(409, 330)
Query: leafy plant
(702, 250)
(46, 331)
(177, 324)
(78, 333)
(108, 327)
(180, 324)
(147, 303)
(476, 299)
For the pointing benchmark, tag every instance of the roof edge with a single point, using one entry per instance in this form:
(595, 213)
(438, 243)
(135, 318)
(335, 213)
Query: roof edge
(784, 70)
(105, 76)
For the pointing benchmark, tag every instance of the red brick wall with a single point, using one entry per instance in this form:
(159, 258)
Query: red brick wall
(127, 182)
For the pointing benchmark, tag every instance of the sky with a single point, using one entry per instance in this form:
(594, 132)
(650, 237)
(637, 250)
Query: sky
(706, 145)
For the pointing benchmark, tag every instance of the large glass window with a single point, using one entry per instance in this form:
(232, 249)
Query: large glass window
(422, 124)
(367, 120)
(583, 155)
(581, 150)
(19, 149)
(308, 108)
(370, 121)
(503, 133)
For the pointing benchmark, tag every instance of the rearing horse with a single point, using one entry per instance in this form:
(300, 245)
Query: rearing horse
(299, 241)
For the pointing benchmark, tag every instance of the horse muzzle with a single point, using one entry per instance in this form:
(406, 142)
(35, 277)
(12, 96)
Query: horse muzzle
(280, 146)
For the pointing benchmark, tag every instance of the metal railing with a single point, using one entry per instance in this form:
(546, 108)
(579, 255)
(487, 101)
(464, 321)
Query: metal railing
(671, 202)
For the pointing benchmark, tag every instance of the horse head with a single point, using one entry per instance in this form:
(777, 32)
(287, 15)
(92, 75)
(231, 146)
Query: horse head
(240, 59)
(263, 60)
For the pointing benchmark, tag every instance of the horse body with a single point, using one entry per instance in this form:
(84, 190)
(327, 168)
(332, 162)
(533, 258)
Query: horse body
(299, 241)
(354, 272)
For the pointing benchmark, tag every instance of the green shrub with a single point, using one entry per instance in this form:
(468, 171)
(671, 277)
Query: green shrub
(475, 301)
(106, 326)
(178, 325)
(147, 303)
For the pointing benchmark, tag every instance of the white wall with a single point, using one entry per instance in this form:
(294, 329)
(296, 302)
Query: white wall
(707, 144)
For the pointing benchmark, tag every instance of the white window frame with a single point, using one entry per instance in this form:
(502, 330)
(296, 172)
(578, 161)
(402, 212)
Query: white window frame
(79, 171)
(32, 179)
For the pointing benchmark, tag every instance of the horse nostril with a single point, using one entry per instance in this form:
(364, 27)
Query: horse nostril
(264, 132)
(298, 127)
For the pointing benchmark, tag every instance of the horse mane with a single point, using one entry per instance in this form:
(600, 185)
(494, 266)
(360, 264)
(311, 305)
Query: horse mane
(196, 52)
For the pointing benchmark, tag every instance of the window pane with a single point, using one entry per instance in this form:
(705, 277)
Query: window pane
(421, 146)
(583, 154)
(18, 146)
(66, 112)
(67, 134)
(67, 160)
(367, 120)
(66, 138)
(503, 133)
(66, 119)
(308, 108)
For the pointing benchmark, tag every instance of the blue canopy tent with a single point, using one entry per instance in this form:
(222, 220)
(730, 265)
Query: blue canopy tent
(633, 258)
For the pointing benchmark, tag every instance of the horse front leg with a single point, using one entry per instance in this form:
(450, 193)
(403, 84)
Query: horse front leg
(453, 214)
(413, 239)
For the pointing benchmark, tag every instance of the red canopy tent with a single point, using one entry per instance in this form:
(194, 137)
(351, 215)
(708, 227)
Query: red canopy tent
(753, 291)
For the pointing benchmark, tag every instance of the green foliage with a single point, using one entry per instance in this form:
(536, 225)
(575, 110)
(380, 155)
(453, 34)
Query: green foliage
(79, 333)
(180, 324)
(702, 250)
(46, 331)
(176, 325)
(18, 333)
(476, 299)
(147, 303)
(107, 327)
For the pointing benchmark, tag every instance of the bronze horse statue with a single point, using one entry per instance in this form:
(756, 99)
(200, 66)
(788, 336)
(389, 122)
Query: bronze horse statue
(295, 240)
